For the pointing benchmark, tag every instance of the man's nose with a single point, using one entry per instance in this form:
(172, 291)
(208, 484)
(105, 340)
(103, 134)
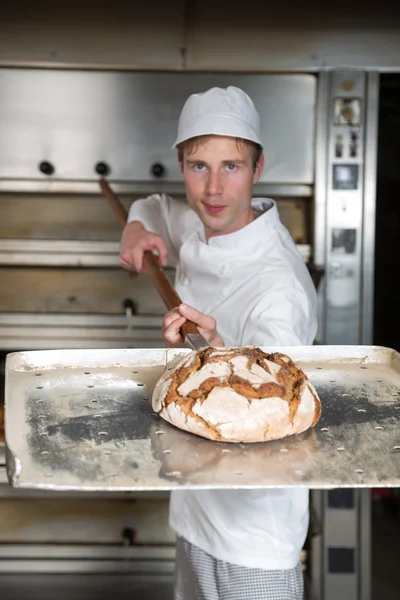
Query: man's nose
(214, 183)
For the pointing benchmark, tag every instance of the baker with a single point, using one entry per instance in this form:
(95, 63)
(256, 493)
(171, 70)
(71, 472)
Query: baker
(243, 282)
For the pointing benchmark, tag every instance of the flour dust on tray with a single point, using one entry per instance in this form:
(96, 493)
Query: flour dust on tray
(237, 395)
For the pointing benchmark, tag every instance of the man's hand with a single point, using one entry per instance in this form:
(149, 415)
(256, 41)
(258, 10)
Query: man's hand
(135, 241)
(175, 318)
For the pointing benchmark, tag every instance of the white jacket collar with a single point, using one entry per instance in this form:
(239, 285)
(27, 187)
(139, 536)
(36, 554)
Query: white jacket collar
(250, 234)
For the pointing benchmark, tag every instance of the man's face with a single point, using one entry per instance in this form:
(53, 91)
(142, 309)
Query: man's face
(219, 176)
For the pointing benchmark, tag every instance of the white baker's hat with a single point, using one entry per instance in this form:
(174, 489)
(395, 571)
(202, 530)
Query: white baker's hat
(219, 111)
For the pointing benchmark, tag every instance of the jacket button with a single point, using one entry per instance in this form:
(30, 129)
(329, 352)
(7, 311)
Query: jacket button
(185, 281)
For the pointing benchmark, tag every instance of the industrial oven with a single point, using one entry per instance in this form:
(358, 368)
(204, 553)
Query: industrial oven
(62, 285)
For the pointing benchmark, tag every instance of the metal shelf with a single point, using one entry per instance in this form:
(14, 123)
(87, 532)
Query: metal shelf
(61, 253)
(32, 331)
(72, 253)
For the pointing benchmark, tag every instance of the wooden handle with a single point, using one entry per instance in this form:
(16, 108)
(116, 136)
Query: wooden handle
(161, 281)
(150, 263)
(166, 289)
(2, 423)
(114, 202)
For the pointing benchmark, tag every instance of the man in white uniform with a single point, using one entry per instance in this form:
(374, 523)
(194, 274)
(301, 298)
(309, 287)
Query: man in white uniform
(244, 283)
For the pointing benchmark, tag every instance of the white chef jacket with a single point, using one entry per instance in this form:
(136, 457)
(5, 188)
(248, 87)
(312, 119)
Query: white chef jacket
(256, 285)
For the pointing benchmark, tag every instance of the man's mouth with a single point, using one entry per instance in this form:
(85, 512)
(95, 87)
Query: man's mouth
(213, 208)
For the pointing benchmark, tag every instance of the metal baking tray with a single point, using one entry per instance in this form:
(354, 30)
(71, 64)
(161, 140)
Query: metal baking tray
(82, 420)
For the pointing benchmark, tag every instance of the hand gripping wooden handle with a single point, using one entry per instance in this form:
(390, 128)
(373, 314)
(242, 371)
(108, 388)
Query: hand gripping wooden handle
(150, 263)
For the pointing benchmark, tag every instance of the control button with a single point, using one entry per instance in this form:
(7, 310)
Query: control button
(353, 144)
(130, 306)
(157, 169)
(102, 168)
(339, 146)
(46, 168)
(336, 269)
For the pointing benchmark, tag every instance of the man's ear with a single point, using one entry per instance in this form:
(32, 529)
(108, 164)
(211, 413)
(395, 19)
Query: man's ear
(259, 169)
(180, 163)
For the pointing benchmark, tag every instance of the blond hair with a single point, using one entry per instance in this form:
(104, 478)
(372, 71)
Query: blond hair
(193, 143)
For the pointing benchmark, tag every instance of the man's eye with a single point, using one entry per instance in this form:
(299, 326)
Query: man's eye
(199, 167)
(231, 167)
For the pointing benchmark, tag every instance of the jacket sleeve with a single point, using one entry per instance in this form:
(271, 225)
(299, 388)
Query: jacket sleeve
(285, 316)
(161, 214)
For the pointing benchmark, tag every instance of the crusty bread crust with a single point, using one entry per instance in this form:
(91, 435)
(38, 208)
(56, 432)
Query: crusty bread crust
(237, 395)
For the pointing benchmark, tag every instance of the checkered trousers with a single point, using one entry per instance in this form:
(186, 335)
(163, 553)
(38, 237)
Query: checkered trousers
(199, 576)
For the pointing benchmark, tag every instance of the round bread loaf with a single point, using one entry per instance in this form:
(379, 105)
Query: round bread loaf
(237, 395)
